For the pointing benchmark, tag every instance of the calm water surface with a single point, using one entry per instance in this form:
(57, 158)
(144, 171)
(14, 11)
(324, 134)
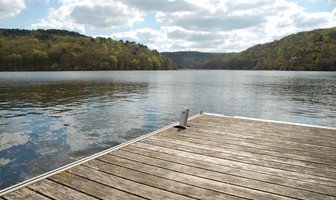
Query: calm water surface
(49, 119)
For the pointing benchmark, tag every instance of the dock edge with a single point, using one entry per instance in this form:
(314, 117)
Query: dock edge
(81, 161)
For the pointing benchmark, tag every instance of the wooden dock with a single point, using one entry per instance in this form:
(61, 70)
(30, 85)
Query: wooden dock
(216, 157)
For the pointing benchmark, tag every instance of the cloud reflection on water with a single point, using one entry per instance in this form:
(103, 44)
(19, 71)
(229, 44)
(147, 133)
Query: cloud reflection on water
(49, 119)
(57, 122)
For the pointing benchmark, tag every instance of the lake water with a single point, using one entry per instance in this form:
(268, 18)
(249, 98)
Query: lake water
(49, 119)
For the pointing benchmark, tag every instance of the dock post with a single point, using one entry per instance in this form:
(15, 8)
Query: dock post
(183, 118)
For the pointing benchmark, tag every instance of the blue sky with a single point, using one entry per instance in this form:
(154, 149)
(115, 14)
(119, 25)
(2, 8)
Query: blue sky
(174, 25)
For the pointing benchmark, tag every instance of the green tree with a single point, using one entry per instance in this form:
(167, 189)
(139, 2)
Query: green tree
(39, 59)
(64, 50)
(156, 63)
(113, 61)
(135, 63)
(14, 61)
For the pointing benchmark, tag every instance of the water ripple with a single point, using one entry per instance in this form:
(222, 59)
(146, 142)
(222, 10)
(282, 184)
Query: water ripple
(48, 119)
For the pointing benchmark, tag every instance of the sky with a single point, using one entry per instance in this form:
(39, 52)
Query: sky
(174, 25)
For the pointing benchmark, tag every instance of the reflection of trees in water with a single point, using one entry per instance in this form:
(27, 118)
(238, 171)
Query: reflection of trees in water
(63, 93)
(63, 121)
(305, 90)
(304, 97)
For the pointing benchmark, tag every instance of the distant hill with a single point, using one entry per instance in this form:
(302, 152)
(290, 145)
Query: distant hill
(55, 50)
(37, 50)
(313, 50)
(190, 59)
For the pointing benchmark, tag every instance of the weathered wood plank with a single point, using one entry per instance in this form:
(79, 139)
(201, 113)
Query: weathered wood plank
(260, 145)
(91, 187)
(215, 158)
(272, 179)
(269, 139)
(247, 148)
(197, 181)
(158, 182)
(261, 127)
(297, 149)
(177, 139)
(220, 177)
(52, 189)
(272, 142)
(250, 160)
(24, 194)
(121, 183)
(240, 165)
(265, 125)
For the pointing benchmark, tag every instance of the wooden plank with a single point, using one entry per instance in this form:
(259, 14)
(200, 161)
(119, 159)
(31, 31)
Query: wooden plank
(325, 158)
(247, 148)
(240, 165)
(272, 179)
(226, 188)
(248, 160)
(244, 155)
(319, 143)
(91, 187)
(24, 194)
(52, 189)
(269, 141)
(220, 177)
(279, 148)
(124, 184)
(266, 129)
(272, 127)
(159, 182)
(215, 158)
(178, 139)
(261, 127)
(261, 145)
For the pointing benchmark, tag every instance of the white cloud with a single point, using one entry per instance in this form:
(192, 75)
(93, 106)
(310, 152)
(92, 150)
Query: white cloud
(175, 38)
(214, 22)
(245, 23)
(59, 24)
(38, 1)
(59, 19)
(146, 36)
(76, 15)
(204, 25)
(160, 5)
(111, 14)
(10, 8)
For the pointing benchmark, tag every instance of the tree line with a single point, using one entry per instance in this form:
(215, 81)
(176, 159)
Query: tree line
(190, 59)
(312, 51)
(61, 50)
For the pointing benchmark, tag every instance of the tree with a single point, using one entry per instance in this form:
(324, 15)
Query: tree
(313, 50)
(156, 63)
(39, 59)
(64, 50)
(113, 61)
(135, 63)
(14, 61)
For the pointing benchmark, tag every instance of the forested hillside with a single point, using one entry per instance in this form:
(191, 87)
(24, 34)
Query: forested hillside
(191, 59)
(54, 50)
(314, 50)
